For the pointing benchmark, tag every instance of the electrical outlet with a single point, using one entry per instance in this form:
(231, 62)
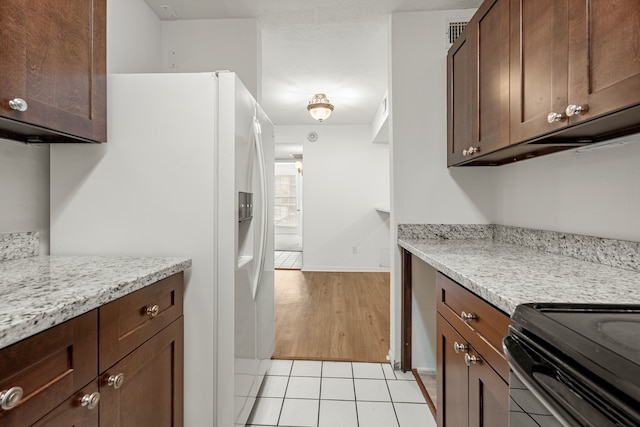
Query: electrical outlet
(173, 63)
(354, 250)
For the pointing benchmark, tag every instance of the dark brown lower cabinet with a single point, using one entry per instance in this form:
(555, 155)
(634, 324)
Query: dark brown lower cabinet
(48, 368)
(488, 396)
(470, 392)
(151, 392)
(453, 377)
(120, 365)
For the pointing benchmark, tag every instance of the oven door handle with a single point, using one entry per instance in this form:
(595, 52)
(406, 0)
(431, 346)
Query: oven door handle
(547, 384)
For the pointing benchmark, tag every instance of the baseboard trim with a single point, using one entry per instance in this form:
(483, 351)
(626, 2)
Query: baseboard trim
(335, 269)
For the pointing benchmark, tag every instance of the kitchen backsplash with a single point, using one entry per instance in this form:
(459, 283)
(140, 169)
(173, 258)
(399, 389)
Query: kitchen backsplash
(611, 252)
(446, 231)
(19, 245)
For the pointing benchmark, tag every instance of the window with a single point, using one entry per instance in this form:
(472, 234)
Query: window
(286, 201)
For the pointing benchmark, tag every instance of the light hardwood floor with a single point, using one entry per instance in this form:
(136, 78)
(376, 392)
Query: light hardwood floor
(332, 316)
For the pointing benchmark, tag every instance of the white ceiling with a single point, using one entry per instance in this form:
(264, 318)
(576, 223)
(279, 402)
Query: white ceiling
(337, 47)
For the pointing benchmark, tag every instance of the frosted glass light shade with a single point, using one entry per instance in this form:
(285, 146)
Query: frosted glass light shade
(319, 107)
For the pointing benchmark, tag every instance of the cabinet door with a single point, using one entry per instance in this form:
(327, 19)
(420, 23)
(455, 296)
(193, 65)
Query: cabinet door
(152, 384)
(488, 396)
(462, 91)
(54, 58)
(453, 399)
(539, 61)
(492, 34)
(604, 47)
(478, 84)
(71, 412)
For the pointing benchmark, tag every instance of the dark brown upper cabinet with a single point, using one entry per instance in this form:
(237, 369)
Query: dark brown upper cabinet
(573, 79)
(478, 73)
(539, 56)
(573, 61)
(604, 57)
(461, 110)
(53, 67)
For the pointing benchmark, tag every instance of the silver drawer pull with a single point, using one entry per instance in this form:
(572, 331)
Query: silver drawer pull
(471, 360)
(467, 317)
(10, 398)
(460, 347)
(115, 381)
(90, 401)
(152, 311)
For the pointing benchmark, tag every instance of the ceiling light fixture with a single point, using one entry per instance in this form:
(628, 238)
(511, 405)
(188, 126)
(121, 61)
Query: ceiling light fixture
(319, 107)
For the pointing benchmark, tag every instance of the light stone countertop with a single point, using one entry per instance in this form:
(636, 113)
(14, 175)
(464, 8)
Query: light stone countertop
(37, 293)
(507, 275)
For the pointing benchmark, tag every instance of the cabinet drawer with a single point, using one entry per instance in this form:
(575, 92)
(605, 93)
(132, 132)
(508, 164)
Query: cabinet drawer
(131, 320)
(71, 412)
(49, 367)
(487, 328)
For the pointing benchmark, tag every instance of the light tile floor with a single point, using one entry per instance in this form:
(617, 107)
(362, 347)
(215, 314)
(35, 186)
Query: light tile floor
(290, 260)
(298, 393)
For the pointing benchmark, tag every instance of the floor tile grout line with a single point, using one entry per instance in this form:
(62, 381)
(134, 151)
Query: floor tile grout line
(355, 396)
(392, 402)
(285, 393)
(320, 394)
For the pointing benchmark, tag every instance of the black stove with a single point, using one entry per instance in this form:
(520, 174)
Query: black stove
(574, 365)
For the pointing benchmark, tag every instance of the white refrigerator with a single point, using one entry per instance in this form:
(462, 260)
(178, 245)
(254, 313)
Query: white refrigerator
(184, 152)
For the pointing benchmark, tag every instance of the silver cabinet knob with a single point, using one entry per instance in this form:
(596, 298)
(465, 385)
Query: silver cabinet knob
(10, 398)
(471, 360)
(460, 347)
(467, 317)
(576, 110)
(115, 381)
(152, 311)
(18, 104)
(90, 401)
(555, 117)
(470, 151)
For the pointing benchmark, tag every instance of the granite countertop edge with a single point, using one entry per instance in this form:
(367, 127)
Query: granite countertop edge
(38, 293)
(494, 298)
(507, 275)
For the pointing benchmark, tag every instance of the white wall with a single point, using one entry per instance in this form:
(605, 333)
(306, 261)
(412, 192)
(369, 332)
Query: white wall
(213, 44)
(345, 177)
(133, 34)
(133, 37)
(24, 189)
(595, 192)
(423, 189)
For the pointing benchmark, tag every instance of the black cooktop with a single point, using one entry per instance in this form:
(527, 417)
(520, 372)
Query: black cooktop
(602, 341)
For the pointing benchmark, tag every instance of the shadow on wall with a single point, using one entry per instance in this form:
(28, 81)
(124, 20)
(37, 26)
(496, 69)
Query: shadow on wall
(24, 189)
(473, 182)
(68, 181)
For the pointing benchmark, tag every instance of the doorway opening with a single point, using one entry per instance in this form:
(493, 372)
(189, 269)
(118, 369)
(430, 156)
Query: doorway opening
(288, 215)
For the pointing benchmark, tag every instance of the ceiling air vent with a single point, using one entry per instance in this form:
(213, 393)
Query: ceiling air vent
(454, 30)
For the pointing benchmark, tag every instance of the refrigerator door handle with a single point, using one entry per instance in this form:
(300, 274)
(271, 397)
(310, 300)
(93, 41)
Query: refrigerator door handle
(263, 205)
